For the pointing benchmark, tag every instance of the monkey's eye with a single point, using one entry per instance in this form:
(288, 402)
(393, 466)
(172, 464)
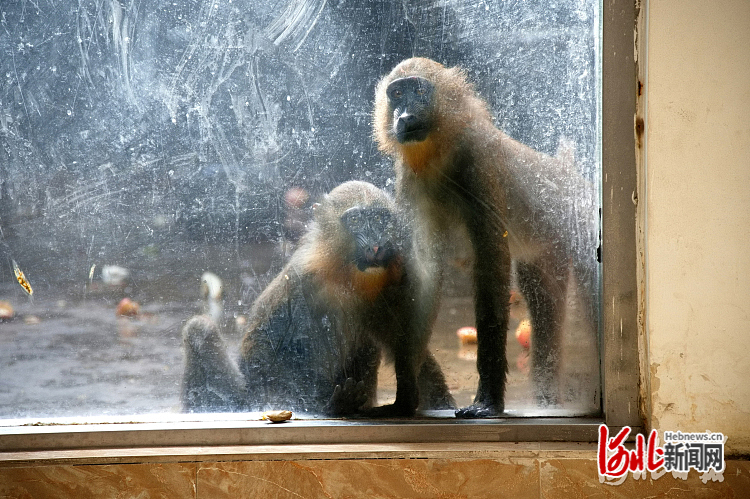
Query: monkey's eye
(353, 219)
(380, 219)
(420, 90)
(396, 94)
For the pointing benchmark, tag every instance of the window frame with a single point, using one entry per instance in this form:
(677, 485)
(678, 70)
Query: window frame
(619, 330)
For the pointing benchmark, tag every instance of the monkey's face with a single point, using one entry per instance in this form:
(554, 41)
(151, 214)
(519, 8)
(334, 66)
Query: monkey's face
(411, 100)
(372, 230)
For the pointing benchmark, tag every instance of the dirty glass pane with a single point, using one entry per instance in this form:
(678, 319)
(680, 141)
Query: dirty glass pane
(143, 144)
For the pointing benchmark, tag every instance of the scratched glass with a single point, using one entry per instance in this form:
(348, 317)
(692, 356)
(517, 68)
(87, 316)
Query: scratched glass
(143, 144)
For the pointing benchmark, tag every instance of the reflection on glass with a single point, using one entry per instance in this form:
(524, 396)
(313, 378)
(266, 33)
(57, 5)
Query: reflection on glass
(161, 160)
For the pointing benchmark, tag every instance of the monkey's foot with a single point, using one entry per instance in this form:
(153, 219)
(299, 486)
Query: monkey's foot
(475, 411)
(440, 403)
(348, 399)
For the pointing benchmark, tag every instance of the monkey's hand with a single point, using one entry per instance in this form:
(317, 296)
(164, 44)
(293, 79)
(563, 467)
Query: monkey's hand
(348, 399)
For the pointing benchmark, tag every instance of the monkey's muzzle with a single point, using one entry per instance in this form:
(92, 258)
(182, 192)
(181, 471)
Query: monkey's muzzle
(410, 129)
(373, 256)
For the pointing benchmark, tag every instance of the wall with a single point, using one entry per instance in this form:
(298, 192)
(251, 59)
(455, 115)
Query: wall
(698, 217)
(512, 477)
(698, 313)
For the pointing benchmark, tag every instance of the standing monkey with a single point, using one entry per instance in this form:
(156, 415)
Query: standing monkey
(315, 334)
(453, 166)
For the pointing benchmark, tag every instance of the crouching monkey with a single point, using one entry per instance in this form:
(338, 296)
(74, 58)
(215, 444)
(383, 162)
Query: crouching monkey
(454, 166)
(315, 335)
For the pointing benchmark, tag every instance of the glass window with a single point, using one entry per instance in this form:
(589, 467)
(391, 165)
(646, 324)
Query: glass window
(161, 160)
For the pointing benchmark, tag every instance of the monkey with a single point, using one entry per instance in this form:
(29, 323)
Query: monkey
(454, 166)
(315, 335)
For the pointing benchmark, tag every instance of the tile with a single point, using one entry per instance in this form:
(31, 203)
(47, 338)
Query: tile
(142, 481)
(378, 478)
(577, 478)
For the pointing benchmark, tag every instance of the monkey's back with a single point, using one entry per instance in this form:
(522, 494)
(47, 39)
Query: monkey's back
(291, 361)
(304, 347)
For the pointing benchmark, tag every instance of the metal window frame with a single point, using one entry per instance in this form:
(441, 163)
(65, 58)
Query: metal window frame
(619, 354)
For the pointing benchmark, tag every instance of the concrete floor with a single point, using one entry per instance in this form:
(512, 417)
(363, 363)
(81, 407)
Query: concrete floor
(69, 355)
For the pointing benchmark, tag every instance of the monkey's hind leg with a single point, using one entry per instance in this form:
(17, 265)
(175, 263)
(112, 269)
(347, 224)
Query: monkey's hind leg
(211, 381)
(433, 391)
(544, 288)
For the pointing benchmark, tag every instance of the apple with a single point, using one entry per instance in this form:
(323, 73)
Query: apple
(523, 333)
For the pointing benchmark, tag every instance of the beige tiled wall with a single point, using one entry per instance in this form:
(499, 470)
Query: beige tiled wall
(372, 478)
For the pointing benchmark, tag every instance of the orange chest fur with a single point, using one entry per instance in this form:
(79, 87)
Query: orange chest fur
(419, 155)
(369, 284)
(341, 279)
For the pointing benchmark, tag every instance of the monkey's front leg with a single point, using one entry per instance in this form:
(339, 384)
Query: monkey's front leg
(491, 296)
(407, 392)
(359, 389)
(544, 285)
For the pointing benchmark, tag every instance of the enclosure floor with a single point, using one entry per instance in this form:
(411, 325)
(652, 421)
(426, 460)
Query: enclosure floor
(68, 356)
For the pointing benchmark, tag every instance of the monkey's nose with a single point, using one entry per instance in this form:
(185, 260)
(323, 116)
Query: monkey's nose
(410, 128)
(407, 119)
(371, 255)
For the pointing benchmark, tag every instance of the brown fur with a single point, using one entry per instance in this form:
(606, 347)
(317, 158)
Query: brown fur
(315, 335)
(327, 252)
(366, 310)
(370, 306)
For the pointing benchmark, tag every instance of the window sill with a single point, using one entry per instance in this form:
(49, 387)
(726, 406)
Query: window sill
(235, 439)
(297, 452)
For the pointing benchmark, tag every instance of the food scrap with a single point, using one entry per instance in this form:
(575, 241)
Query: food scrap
(114, 275)
(127, 308)
(6, 311)
(21, 278)
(31, 320)
(277, 416)
(523, 333)
(467, 335)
